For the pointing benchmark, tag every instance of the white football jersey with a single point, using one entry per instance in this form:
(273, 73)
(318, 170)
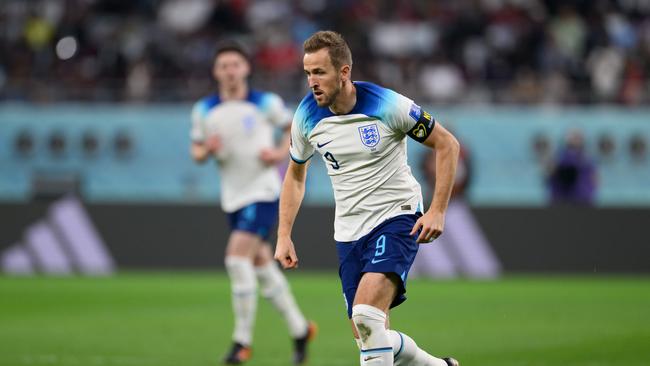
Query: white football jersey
(245, 127)
(365, 154)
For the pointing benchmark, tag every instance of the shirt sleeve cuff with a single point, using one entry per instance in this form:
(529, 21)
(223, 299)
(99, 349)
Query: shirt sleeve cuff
(299, 161)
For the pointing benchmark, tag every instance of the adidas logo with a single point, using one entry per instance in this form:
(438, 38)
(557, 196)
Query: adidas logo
(64, 242)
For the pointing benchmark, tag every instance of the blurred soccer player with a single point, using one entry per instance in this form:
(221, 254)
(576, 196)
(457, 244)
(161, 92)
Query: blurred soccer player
(360, 130)
(235, 126)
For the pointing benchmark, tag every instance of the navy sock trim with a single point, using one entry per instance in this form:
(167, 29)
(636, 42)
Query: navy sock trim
(377, 350)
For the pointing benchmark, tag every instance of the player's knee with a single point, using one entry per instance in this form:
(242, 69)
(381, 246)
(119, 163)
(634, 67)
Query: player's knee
(368, 320)
(241, 273)
(271, 279)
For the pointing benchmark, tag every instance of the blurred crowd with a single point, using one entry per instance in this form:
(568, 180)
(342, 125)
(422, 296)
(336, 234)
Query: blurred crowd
(445, 51)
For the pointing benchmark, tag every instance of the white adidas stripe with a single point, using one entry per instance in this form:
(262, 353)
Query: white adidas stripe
(66, 242)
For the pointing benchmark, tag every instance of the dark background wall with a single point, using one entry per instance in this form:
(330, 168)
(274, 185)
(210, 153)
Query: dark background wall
(563, 239)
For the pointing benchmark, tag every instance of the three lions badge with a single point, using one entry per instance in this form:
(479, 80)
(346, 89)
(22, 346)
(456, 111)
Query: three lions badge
(369, 135)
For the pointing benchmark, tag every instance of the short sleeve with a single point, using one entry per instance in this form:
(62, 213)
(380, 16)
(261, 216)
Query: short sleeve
(300, 149)
(276, 110)
(197, 134)
(411, 119)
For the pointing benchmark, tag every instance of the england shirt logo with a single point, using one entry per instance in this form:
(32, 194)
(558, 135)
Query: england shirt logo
(369, 135)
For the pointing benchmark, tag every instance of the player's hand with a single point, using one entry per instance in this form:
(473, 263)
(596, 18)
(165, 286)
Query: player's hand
(272, 156)
(432, 224)
(213, 144)
(285, 253)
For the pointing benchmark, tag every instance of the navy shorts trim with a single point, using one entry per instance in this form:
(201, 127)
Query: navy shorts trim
(386, 249)
(258, 218)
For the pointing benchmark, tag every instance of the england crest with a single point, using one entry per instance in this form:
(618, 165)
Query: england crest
(369, 135)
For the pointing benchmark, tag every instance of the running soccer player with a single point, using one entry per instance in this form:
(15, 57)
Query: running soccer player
(235, 126)
(360, 130)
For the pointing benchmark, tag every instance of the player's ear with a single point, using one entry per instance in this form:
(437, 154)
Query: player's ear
(345, 72)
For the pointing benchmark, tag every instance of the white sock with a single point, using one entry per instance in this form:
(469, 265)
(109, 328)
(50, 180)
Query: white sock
(360, 346)
(370, 322)
(276, 289)
(244, 297)
(406, 352)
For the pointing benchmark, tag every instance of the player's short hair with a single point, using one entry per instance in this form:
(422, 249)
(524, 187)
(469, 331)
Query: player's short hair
(231, 46)
(337, 48)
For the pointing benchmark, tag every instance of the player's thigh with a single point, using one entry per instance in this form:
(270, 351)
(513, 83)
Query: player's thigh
(264, 255)
(377, 289)
(243, 244)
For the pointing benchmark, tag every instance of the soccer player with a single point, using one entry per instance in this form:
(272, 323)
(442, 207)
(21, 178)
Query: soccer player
(235, 126)
(360, 130)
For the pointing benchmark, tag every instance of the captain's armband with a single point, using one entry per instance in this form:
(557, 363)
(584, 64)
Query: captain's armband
(423, 127)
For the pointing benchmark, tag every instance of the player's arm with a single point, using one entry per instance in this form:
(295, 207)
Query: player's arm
(203, 144)
(199, 152)
(275, 155)
(293, 191)
(447, 149)
(202, 150)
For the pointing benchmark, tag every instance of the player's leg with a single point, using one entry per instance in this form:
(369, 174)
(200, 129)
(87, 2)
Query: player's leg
(375, 289)
(275, 288)
(407, 353)
(240, 252)
(387, 259)
(372, 300)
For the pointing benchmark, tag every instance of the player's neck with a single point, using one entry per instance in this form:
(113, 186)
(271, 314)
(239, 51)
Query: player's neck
(238, 92)
(346, 99)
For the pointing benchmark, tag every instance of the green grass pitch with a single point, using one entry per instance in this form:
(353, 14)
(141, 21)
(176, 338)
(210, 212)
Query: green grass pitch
(184, 319)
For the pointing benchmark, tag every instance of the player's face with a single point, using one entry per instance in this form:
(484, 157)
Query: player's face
(324, 80)
(231, 69)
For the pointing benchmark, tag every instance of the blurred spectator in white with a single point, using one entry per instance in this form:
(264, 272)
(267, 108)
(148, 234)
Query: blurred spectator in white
(397, 39)
(441, 81)
(605, 67)
(185, 16)
(139, 82)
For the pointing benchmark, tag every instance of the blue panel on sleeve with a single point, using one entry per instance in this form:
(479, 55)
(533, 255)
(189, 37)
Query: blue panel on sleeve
(309, 114)
(208, 103)
(257, 97)
(374, 100)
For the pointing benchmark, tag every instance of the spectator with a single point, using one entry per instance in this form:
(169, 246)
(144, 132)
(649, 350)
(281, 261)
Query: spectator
(501, 51)
(572, 178)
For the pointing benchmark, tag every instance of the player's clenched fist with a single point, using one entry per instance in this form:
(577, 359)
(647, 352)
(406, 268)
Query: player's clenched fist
(285, 253)
(213, 143)
(431, 224)
(272, 156)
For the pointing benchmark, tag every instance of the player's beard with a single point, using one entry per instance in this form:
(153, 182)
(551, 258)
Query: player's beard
(330, 98)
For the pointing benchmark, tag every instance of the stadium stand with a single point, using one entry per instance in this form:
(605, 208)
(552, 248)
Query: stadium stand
(537, 51)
